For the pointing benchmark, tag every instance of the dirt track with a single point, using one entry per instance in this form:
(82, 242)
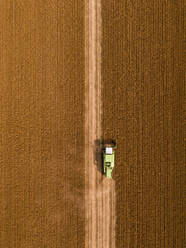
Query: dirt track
(99, 191)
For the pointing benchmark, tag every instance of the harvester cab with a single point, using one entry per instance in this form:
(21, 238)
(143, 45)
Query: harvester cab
(108, 158)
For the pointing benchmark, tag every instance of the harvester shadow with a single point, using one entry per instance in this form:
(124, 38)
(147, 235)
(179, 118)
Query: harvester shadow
(98, 158)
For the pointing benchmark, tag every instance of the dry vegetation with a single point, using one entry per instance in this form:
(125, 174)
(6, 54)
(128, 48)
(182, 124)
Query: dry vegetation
(42, 96)
(42, 124)
(143, 95)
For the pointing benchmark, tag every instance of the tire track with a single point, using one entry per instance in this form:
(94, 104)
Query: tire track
(100, 191)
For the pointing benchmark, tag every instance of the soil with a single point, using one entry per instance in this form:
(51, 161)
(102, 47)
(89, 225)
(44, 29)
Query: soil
(99, 191)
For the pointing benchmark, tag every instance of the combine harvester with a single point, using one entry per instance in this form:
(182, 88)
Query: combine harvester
(108, 158)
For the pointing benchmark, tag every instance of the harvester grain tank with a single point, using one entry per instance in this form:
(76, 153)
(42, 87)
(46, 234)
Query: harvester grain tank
(108, 158)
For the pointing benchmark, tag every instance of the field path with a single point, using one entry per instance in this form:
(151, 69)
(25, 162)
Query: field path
(100, 192)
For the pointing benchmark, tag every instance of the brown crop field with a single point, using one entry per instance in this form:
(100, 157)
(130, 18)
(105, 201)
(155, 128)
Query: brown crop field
(73, 73)
(143, 108)
(42, 124)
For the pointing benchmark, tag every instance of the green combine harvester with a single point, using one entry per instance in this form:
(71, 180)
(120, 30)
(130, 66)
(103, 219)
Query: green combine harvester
(108, 158)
